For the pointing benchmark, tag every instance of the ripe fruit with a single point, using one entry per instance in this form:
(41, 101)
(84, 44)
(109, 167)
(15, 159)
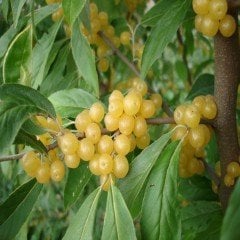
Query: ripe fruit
(227, 26)
(93, 132)
(209, 110)
(140, 126)
(94, 165)
(105, 144)
(120, 166)
(179, 114)
(86, 149)
(111, 122)
(191, 116)
(115, 107)
(199, 102)
(126, 124)
(132, 103)
(228, 180)
(143, 141)
(82, 120)
(157, 100)
(72, 161)
(30, 163)
(122, 144)
(57, 171)
(201, 7)
(56, 16)
(125, 38)
(105, 162)
(133, 143)
(147, 109)
(116, 94)
(209, 26)
(103, 65)
(141, 87)
(180, 133)
(197, 136)
(96, 112)
(68, 143)
(106, 181)
(43, 173)
(103, 18)
(218, 9)
(198, 22)
(233, 169)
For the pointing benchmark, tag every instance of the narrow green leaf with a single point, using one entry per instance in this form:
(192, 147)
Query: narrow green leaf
(16, 209)
(40, 55)
(76, 181)
(5, 9)
(163, 33)
(16, 106)
(18, 56)
(202, 218)
(118, 223)
(16, 10)
(161, 213)
(71, 102)
(202, 86)
(132, 185)
(231, 221)
(72, 9)
(84, 58)
(81, 226)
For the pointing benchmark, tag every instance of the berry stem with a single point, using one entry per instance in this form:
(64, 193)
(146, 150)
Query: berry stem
(12, 157)
(227, 65)
(214, 177)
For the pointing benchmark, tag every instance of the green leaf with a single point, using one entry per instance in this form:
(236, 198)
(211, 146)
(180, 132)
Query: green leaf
(202, 86)
(231, 221)
(156, 12)
(163, 33)
(160, 212)
(40, 55)
(84, 58)
(76, 181)
(16, 10)
(72, 9)
(202, 218)
(118, 223)
(16, 106)
(16, 209)
(18, 56)
(132, 186)
(71, 102)
(5, 9)
(181, 70)
(81, 226)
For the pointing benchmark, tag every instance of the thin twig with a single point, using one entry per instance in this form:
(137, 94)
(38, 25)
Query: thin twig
(211, 173)
(11, 157)
(158, 121)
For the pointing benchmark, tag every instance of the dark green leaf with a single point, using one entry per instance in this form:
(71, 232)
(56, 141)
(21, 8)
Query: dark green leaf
(16, 10)
(72, 9)
(160, 211)
(5, 9)
(17, 104)
(202, 86)
(40, 55)
(202, 218)
(16, 209)
(81, 226)
(17, 57)
(163, 33)
(84, 58)
(76, 181)
(118, 223)
(231, 221)
(181, 70)
(71, 102)
(132, 186)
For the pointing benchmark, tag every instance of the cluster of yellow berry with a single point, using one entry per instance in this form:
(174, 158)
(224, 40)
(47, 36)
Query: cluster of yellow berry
(132, 4)
(194, 136)
(100, 23)
(212, 16)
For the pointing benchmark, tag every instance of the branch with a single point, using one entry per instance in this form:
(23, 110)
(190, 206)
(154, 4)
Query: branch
(11, 157)
(211, 173)
(233, 4)
(227, 75)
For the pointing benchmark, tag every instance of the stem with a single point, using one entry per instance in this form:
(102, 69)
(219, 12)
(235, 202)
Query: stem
(214, 177)
(11, 157)
(227, 74)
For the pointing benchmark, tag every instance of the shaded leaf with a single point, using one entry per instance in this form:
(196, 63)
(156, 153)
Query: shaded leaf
(16, 10)
(16, 209)
(163, 220)
(118, 223)
(132, 186)
(76, 181)
(81, 226)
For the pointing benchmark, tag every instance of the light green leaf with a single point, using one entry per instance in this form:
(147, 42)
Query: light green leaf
(17, 104)
(40, 55)
(160, 212)
(5, 9)
(132, 186)
(72, 9)
(163, 33)
(84, 58)
(18, 56)
(202, 218)
(71, 102)
(231, 221)
(16, 10)
(16, 209)
(81, 226)
(118, 223)
(76, 181)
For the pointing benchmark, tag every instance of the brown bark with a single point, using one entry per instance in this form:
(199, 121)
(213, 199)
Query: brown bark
(227, 75)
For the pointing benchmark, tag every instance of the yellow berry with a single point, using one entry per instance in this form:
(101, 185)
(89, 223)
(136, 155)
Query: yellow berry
(86, 149)
(197, 136)
(68, 143)
(218, 9)
(147, 109)
(126, 124)
(82, 120)
(30, 163)
(116, 94)
(140, 126)
(233, 169)
(141, 87)
(199, 102)
(157, 100)
(125, 38)
(43, 173)
(122, 144)
(209, 110)
(115, 107)
(93, 132)
(192, 116)
(105, 144)
(180, 133)
(209, 26)
(132, 103)
(120, 166)
(72, 161)
(57, 171)
(143, 141)
(57, 16)
(228, 180)
(227, 26)
(96, 112)
(198, 22)
(106, 181)
(103, 18)
(111, 122)
(103, 65)
(105, 162)
(133, 143)
(201, 7)
(94, 165)
(179, 114)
